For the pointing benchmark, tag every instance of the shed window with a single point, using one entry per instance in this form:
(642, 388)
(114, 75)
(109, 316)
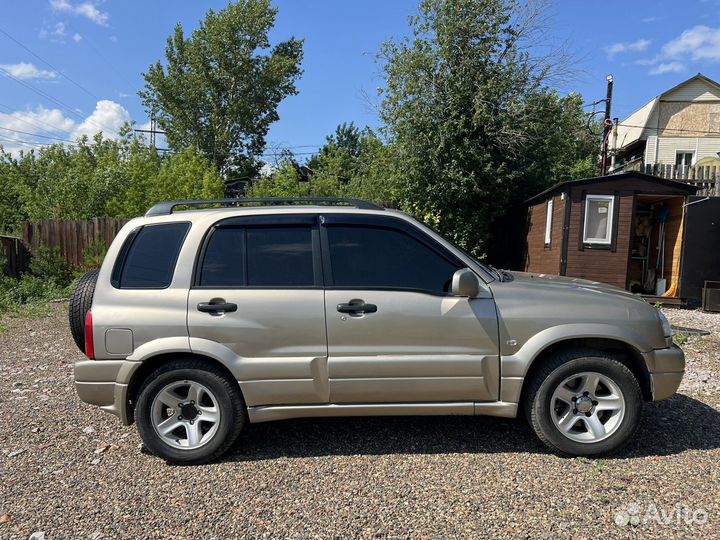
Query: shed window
(548, 222)
(598, 219)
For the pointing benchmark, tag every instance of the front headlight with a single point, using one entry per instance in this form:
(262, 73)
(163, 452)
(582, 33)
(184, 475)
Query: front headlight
(667, 330)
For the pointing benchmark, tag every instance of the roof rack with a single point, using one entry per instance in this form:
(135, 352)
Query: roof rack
(166, 208)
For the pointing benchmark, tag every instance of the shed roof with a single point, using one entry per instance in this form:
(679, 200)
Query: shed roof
(675, 185)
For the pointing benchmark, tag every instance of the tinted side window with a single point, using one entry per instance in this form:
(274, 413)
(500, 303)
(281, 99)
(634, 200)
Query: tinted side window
(224, 262)
(280, 256)
(386, 258)
(259, 257)
(150, 260)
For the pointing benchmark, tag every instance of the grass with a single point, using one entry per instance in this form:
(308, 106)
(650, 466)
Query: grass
(29, 296)
(680, 338)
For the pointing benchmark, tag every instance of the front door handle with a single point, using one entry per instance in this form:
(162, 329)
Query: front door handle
(216, 306)
(356, 307)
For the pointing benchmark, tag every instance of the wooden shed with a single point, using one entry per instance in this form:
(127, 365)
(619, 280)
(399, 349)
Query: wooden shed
(625, 230)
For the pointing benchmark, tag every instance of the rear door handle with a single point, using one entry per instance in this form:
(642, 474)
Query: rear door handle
(356, 308)
(217, 306)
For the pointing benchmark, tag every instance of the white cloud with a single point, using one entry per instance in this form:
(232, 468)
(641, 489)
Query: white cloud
(26, 71)
(29, 129)
(19, 126)
(698, 43)
(77, 37)
(83, 9)
(55, 33)
(650, 19)
(107, 117)
(617, 48)
(667, 67)
(47, 120)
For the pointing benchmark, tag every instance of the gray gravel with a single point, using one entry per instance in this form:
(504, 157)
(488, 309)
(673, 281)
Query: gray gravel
(70, 470)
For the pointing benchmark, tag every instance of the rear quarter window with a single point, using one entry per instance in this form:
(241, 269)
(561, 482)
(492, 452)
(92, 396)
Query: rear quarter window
(148, 257)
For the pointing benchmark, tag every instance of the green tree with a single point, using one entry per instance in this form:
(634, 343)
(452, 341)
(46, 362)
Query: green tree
(113, 178)
(186, 176)
(220, 88)
(467, 104)
(346, 142)
(65, 182)
(284, 182)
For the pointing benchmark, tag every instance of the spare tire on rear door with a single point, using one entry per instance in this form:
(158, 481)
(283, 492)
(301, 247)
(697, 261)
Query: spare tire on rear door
(80, 303)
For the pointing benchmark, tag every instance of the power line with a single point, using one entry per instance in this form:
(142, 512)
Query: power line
(165, 150)
(56, 101)
(160, 132)
(55, 129)
(18, 141)
(56, 70)
(37, 135)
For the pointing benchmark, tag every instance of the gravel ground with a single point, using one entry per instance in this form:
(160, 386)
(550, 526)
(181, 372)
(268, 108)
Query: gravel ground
(69, 470)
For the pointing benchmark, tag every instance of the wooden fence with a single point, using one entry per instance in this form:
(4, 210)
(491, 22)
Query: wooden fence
(706, 178)
(72, 237)
(17, 256)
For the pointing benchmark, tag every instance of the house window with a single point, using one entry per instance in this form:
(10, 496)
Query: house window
(598, 219)
(548, 222)
(684, 159)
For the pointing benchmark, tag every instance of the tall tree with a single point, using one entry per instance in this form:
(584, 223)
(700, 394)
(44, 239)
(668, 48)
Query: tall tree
(347, 138)
(468, 104)
(220, 88)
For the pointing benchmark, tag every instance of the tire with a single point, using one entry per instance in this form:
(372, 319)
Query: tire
(80, 303)
(214, 391)
(567, 420)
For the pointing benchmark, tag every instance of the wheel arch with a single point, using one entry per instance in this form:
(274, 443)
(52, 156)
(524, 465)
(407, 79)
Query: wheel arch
(150, 364)
(622, 351)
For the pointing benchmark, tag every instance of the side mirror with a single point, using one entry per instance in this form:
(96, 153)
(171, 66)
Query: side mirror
(465, 283)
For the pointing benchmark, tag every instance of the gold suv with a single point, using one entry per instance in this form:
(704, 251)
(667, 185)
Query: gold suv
(203, 319)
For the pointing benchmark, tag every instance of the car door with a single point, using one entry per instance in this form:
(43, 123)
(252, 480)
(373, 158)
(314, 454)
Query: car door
(395, 333)
(257, 298)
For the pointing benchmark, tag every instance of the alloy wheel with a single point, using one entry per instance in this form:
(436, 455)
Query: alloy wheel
(587, 407)
(185, 414)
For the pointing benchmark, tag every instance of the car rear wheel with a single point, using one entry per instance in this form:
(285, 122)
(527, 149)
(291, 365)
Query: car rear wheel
(189, 412)
(584, 403)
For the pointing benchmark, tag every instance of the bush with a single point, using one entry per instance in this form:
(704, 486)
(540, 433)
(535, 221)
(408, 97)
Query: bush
(47, 263)
(30, 291)
(93, 255)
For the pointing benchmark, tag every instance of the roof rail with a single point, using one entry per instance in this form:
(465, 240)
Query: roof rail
(166, 208)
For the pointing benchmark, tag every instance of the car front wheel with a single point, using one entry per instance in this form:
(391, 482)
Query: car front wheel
(584, 403)
(189, 413)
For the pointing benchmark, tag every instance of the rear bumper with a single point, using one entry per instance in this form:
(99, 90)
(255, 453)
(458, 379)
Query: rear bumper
(667, 367)
(101, 383)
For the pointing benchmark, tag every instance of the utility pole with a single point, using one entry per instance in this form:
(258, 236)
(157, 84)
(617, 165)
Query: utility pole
(616, 121)
(153, 131)
(607, 124)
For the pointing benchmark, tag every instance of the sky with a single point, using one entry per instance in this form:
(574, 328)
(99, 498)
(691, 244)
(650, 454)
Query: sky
(74, 67)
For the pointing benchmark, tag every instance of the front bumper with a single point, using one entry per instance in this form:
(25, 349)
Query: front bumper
(666, 367)
(103, 383)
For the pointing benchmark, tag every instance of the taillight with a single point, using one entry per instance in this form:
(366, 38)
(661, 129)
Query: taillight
(89, 341)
